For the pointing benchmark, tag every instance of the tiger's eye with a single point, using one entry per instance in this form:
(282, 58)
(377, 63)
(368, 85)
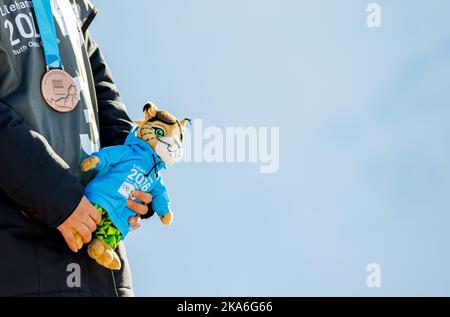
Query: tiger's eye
(159, 132)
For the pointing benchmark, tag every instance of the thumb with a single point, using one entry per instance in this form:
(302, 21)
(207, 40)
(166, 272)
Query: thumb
(70, 240)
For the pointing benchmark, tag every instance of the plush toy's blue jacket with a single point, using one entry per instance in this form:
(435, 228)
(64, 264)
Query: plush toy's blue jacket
(124, 168)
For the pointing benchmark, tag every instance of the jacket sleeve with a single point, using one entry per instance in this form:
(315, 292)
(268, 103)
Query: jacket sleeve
(115, 124)
(111, 155)
(161, 200)
(32, 174)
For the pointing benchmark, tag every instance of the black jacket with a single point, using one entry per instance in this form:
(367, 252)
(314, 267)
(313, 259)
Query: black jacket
(40, 184)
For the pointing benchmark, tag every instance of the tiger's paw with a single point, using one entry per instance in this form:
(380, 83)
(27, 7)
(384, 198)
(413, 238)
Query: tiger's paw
(167, 218)
(104, 255)
(90, 163)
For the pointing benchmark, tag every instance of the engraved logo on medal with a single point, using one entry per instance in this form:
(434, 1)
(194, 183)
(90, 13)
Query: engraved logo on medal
(60, 90)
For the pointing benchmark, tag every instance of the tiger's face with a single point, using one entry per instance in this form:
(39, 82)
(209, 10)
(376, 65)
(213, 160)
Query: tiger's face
(163, 132)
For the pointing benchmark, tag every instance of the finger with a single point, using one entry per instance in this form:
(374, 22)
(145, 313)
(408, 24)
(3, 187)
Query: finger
(78, 239)
(137, 207)
(134, 220)
(89, 222)
(84, 232)
(146, 198)
(70, 240)
(95, 215)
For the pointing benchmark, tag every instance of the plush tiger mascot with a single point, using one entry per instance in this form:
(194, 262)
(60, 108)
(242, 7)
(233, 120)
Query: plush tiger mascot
(154, 142)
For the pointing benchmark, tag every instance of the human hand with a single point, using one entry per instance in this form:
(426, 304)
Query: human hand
(139, 208)
(81, 223)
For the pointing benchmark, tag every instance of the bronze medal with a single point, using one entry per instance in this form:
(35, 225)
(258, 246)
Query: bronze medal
(60, 90)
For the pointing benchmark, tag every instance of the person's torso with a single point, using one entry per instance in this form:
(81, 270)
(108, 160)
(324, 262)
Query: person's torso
(37, 261)
(73, 135)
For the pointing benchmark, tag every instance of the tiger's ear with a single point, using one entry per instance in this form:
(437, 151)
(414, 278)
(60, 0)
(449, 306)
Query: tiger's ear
(150, 110)
(139, 122)
(184, 122)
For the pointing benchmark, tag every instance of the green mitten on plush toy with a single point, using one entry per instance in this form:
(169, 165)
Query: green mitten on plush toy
(154, 142)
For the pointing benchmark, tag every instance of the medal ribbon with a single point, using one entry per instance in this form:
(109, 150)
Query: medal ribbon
(47, 28)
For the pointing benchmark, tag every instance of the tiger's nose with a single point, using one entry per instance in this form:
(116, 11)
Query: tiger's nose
(175, 147)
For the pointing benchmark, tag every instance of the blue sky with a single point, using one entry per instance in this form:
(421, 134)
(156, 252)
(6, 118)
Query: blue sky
(363, 117)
